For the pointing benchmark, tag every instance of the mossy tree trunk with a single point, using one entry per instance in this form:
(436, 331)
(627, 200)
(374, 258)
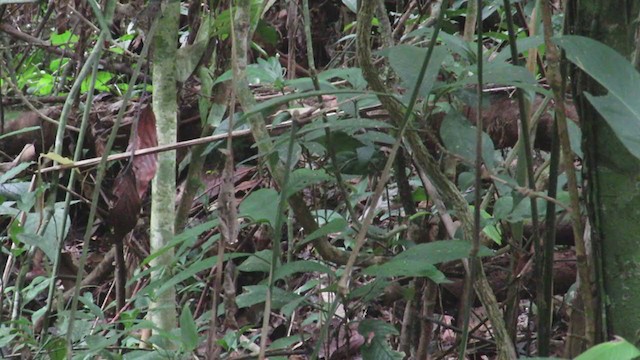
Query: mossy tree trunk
(612, 173)
(162, 310)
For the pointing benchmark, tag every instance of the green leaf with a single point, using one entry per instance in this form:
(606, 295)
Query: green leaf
(407, 267)
(87, 300)
(459, 136)
(502, 73)
(258, 262)
(62, 39)
(302, 266)
(20, 131)
(619, 349)
(620, 107)
(352, 75)
(48, 241)
(257, 294)
(102, 82)
(378, 347)
(406, 61)
(56, 348)
(58, 64)
(188, 329)
(44, 85)
(6, 335)
(189, 272)
(369, 291)
(99, 342)
(377, 327)
(524, 44)
(260, 205)
(188, 56)
(288, 309)
(188, 237)
(58, 158)
(13, 172)
(334, 226)
(419, 260)
(302, 178)
(441, 251)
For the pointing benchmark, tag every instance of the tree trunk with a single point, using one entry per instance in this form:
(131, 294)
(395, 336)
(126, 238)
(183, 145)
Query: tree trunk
(612, 173)
(162, 310)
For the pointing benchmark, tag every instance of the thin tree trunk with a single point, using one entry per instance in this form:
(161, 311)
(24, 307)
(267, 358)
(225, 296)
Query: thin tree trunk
(162, 311)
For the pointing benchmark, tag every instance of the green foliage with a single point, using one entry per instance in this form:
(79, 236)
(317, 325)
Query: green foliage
(419, 260)
(254, 206)
(360, 147)
(458, 135)
(619, 107)
(377, 346)
(619, 349)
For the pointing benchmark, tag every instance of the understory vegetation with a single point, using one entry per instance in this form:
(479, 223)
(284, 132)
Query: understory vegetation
(291, 179)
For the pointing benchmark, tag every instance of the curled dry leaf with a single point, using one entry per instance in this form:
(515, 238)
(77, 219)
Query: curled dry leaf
(144, 166)
(132, 183)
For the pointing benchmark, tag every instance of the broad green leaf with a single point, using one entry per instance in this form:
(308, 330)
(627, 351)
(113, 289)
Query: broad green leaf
(65, 38)
(287, 341)
(378, 348)
(522, 210)
(260, 206)
(256, 294)
(406, 267)
(56, 348)
(13, 172)
(6, 335)
(301, 266)
(188, 56)
(87, 300)
(370, 290)
(334, 226)
(184, 274)
(102, 82)
(619, 349)
(441, 251)
(188, 236)
(620, 107)
(288, 309)
(35, 288)
(377, 327)
(524, 44)
(407, 60)
(188, 329)
(48, 240)
(258, 262)
(459, 137)
(98, 342)
(44, 85)
(352, 75)
(344, 124)
(419, 260)
(302, 178)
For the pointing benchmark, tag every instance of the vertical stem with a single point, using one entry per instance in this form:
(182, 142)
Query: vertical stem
(162, 311)
(584, 271)
(475, 242)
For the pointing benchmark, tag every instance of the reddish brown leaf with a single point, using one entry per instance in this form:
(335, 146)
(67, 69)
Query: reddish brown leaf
(124, 209)
(145, 166)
